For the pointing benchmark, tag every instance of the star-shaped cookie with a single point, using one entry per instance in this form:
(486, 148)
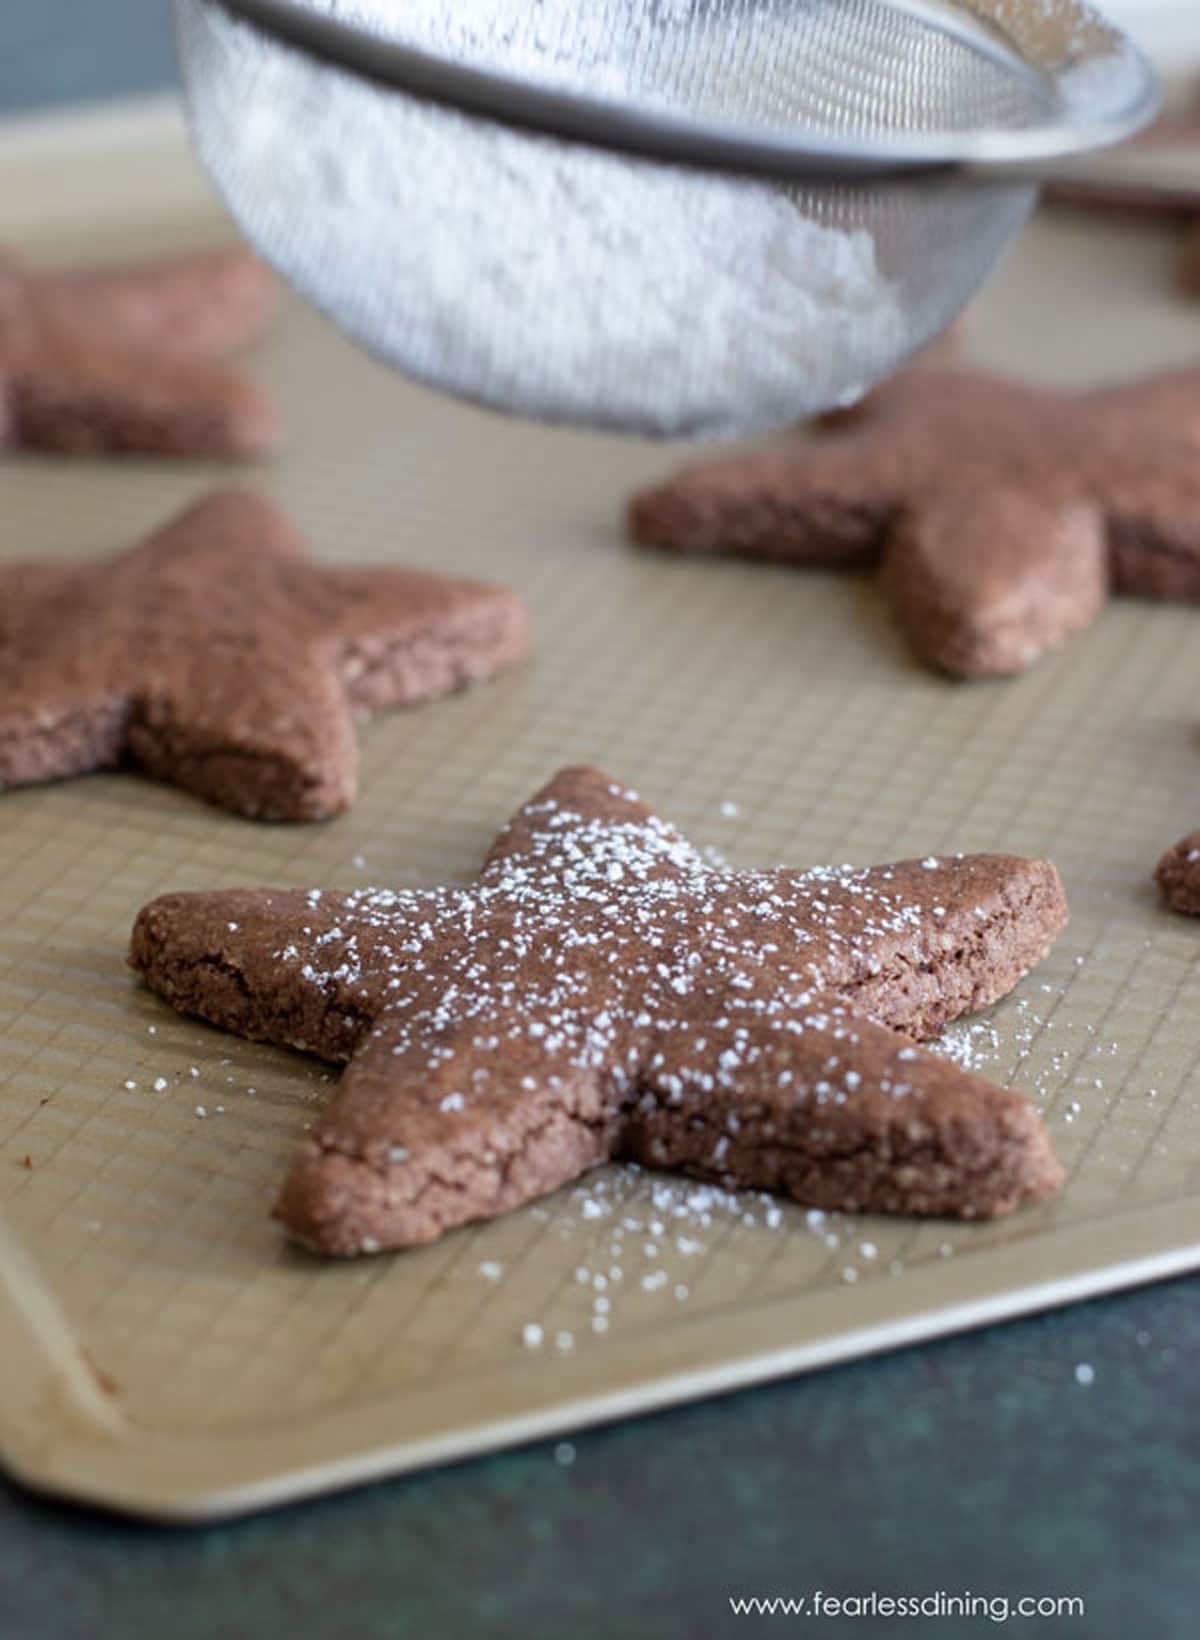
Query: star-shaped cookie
(601, 992)
(218, 656)
(1004, 515)
(121, 361)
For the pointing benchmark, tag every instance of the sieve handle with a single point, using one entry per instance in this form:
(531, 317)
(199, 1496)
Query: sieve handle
(1156, 177)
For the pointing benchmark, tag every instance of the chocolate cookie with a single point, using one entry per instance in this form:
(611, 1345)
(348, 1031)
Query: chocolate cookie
(120, 362)
(218, 656)
(1178, 875)
(202, 305)
(1003, 514)
(600, 992)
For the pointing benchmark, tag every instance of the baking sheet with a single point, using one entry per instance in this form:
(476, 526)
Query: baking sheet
(165, 1352)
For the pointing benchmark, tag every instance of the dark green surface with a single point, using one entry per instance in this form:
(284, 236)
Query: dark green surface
(978, 1464)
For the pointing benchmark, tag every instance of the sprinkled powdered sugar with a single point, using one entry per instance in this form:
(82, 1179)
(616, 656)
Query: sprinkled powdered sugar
(971, 1044)
(601, 974)
(630, 899)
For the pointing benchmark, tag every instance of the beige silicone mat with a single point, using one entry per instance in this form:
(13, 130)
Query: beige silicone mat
(164, 1351)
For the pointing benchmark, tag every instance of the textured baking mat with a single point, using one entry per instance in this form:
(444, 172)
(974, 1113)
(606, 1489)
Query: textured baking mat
(165, 1351)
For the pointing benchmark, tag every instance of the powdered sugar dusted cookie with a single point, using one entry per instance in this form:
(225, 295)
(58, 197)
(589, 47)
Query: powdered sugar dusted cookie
(122, 361)
(1002, 514)
(601, 992)
(218, 656)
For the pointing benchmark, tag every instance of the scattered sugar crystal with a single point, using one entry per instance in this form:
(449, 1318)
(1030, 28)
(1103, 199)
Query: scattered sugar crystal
(491, 1270)
(564, 1454)
(201, 1111)
(131, 1086)
(160, 1084)
(599, 1323)
(564, 1341)
(729, 810)
(531, 1335)
(1085, 1373)
(681, 1291)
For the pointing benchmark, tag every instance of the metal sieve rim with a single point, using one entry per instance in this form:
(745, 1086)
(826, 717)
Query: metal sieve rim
(1128, 100)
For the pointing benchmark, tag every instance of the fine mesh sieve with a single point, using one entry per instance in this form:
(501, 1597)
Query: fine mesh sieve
(668, 216)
